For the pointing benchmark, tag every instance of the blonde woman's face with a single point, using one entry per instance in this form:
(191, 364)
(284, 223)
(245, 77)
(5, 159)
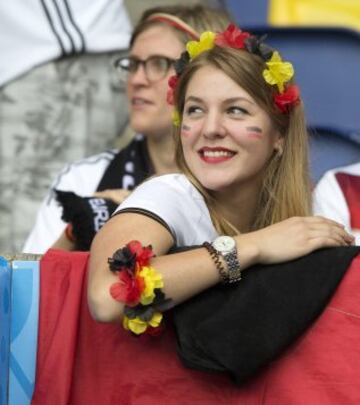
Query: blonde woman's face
(149, 112)
(226, 137)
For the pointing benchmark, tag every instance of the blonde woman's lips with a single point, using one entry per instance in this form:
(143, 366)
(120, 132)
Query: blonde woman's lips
(215, 155)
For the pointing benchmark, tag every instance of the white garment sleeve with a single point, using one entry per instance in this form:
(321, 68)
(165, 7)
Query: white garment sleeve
(82, 178)
(329, 201)
(174, 200)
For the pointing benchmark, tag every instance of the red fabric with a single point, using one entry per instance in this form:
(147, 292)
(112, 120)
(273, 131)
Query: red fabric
(350, 186)
(82, 362)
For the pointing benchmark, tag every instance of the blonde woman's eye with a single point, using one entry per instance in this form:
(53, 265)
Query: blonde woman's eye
(193, 110)
(237, 111)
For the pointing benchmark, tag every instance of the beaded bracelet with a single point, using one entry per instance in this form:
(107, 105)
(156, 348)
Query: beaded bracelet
(139, 288)
(215, 255)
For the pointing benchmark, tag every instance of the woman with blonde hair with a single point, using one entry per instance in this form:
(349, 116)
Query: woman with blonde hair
(243, 197)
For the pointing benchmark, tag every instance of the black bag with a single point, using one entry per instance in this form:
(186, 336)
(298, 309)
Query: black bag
(240, 328)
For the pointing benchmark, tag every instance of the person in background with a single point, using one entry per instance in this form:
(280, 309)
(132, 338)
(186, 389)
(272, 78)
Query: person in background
(157, 40)
(242, 198)
(337, 196)
(59, 97)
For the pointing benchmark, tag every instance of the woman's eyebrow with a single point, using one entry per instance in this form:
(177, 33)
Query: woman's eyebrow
(235, 99)
(193, 98)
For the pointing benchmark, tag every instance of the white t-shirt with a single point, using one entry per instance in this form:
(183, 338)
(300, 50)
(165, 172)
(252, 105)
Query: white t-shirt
(33, 32)
(330, 200)
(82, 178)
(176, 202)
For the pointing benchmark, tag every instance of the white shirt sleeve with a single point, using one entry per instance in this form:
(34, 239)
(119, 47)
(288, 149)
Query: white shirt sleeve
(176, 202)
(82, 178)
(329, 201)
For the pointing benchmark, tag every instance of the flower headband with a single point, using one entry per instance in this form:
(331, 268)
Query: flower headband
(277, 72)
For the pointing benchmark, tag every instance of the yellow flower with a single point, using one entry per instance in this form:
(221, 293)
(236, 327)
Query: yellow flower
(152, 280)
(206, 42)
(278, 72)
(156, 319)
(176, 119)
(138, 326)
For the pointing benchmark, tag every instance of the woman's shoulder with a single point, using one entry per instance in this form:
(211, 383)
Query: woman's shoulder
(172, 183)
(176, 202)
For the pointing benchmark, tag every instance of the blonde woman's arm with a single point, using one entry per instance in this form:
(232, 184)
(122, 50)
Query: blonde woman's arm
(188, 273)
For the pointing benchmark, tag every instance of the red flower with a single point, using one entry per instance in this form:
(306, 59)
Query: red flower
(143, 254)
(232, 37)
(154, 331)
(129, 289)
(172, 82)
(291, 96)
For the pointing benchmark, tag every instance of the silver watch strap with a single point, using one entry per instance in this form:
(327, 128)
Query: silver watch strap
(233, 266)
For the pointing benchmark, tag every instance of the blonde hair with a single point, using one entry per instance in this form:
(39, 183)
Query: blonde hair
(197, 17)
(285, 189)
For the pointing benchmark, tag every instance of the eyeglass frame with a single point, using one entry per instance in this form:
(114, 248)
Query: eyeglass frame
(169, 61)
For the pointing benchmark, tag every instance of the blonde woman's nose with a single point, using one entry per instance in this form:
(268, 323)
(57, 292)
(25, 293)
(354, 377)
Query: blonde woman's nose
(213, 126)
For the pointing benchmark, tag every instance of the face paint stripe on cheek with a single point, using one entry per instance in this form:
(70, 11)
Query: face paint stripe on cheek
(254, 132)
(185, 130)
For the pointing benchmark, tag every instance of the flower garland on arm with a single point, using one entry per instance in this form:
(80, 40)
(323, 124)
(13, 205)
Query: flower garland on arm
(139, 288)
(277, 72)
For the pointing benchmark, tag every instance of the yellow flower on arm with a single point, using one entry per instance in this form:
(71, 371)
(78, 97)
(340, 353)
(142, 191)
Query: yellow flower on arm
(156, 319)
(138, 326)
(278, 72)
(207, 41)
(152, 280)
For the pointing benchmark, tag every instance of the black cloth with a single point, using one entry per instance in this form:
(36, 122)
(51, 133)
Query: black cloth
(86, 214)
(130, 167)
(240, 328)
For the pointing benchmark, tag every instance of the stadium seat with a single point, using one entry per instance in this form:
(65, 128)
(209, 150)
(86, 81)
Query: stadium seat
(330, 149)
(327, 66)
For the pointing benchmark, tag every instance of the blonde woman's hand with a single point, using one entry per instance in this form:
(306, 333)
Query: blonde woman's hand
(296, 237)
(117, 195)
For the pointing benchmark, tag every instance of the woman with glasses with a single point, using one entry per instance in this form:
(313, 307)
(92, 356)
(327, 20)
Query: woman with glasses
(158, 39)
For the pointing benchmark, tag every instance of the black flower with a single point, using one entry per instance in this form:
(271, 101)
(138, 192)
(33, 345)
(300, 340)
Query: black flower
(257, 46)
(181, 63)
(123, 259)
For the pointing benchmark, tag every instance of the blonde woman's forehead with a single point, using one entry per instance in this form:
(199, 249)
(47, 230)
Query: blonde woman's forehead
(210, 83)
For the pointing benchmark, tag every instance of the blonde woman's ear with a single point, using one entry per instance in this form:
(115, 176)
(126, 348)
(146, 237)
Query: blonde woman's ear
(278, 150)
(278, 147)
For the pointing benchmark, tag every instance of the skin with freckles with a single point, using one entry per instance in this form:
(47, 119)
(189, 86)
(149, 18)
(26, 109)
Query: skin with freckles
(229, 138)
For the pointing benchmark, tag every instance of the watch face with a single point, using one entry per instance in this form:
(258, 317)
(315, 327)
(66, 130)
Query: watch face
(224, 243)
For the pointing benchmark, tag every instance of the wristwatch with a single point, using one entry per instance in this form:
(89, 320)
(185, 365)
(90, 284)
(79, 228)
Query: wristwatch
(226, 247)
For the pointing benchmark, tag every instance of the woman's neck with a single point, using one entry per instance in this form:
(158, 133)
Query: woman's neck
(162, 154)
(239, 208)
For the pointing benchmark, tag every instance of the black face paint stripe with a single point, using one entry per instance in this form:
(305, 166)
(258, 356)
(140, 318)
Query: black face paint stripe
(187, 128)
(254, 129)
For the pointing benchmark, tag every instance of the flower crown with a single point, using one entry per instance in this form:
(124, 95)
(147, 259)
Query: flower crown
(277, 72)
